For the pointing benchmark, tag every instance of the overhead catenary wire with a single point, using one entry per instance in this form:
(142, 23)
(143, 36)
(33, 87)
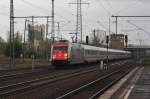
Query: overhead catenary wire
(148, 33)
(101, 5)
(100, 23)
(64, 10)
(67, 10)
(128, 7)
(109, 4)
(108, 12)
(107, 29)
(41, 8)
(111, 13)
(33, 5)
(145, 20)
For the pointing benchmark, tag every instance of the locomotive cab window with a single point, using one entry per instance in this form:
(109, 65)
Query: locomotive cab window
(60, 48)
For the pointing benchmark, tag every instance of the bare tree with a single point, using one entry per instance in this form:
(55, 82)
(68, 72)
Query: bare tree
(2, 45)
(97, 37)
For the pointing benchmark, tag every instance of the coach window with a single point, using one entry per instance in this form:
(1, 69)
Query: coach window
(87, 52)
(91, 52)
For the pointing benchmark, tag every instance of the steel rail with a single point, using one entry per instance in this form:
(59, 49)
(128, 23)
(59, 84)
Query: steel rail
(23, 86)
(6, 76)
(96, 95)
(78, 90)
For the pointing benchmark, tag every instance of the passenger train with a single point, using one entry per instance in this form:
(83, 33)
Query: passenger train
(73, 53)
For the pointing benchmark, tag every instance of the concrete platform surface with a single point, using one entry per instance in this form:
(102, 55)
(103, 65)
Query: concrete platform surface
(141, 90)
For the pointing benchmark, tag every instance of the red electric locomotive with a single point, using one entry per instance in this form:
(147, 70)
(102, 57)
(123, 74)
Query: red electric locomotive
(59, 53)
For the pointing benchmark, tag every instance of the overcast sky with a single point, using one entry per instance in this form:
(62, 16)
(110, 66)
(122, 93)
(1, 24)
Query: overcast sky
(95, 16)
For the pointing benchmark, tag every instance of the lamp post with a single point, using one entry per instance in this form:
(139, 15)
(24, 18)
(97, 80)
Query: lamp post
(12, 51)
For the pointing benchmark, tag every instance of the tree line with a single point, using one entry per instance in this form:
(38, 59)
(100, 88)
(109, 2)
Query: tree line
(21, 49)
(97, 38)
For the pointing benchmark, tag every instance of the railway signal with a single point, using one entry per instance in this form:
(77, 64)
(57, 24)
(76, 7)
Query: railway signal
(87, 40)
(107, 41)
(126, 40)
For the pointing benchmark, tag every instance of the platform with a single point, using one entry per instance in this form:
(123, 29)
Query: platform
(136, 85)
(141, 89)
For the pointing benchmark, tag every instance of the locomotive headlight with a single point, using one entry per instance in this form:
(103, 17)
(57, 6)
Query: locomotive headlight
(65, 55)
(54, 56)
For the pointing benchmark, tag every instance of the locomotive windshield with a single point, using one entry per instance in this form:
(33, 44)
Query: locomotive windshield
(60, 48)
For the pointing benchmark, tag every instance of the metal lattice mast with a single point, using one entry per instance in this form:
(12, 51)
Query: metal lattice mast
(79, 20)
(53, 23)
(58, 31)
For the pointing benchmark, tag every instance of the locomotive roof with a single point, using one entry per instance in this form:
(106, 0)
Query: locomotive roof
(60, 44)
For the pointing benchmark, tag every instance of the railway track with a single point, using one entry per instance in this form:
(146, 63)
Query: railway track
(21, 71)
(97, 87)
(6, 76)
(23, 86)
(12, 73)
(14, 90)
(21, 75)
(26, 75)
